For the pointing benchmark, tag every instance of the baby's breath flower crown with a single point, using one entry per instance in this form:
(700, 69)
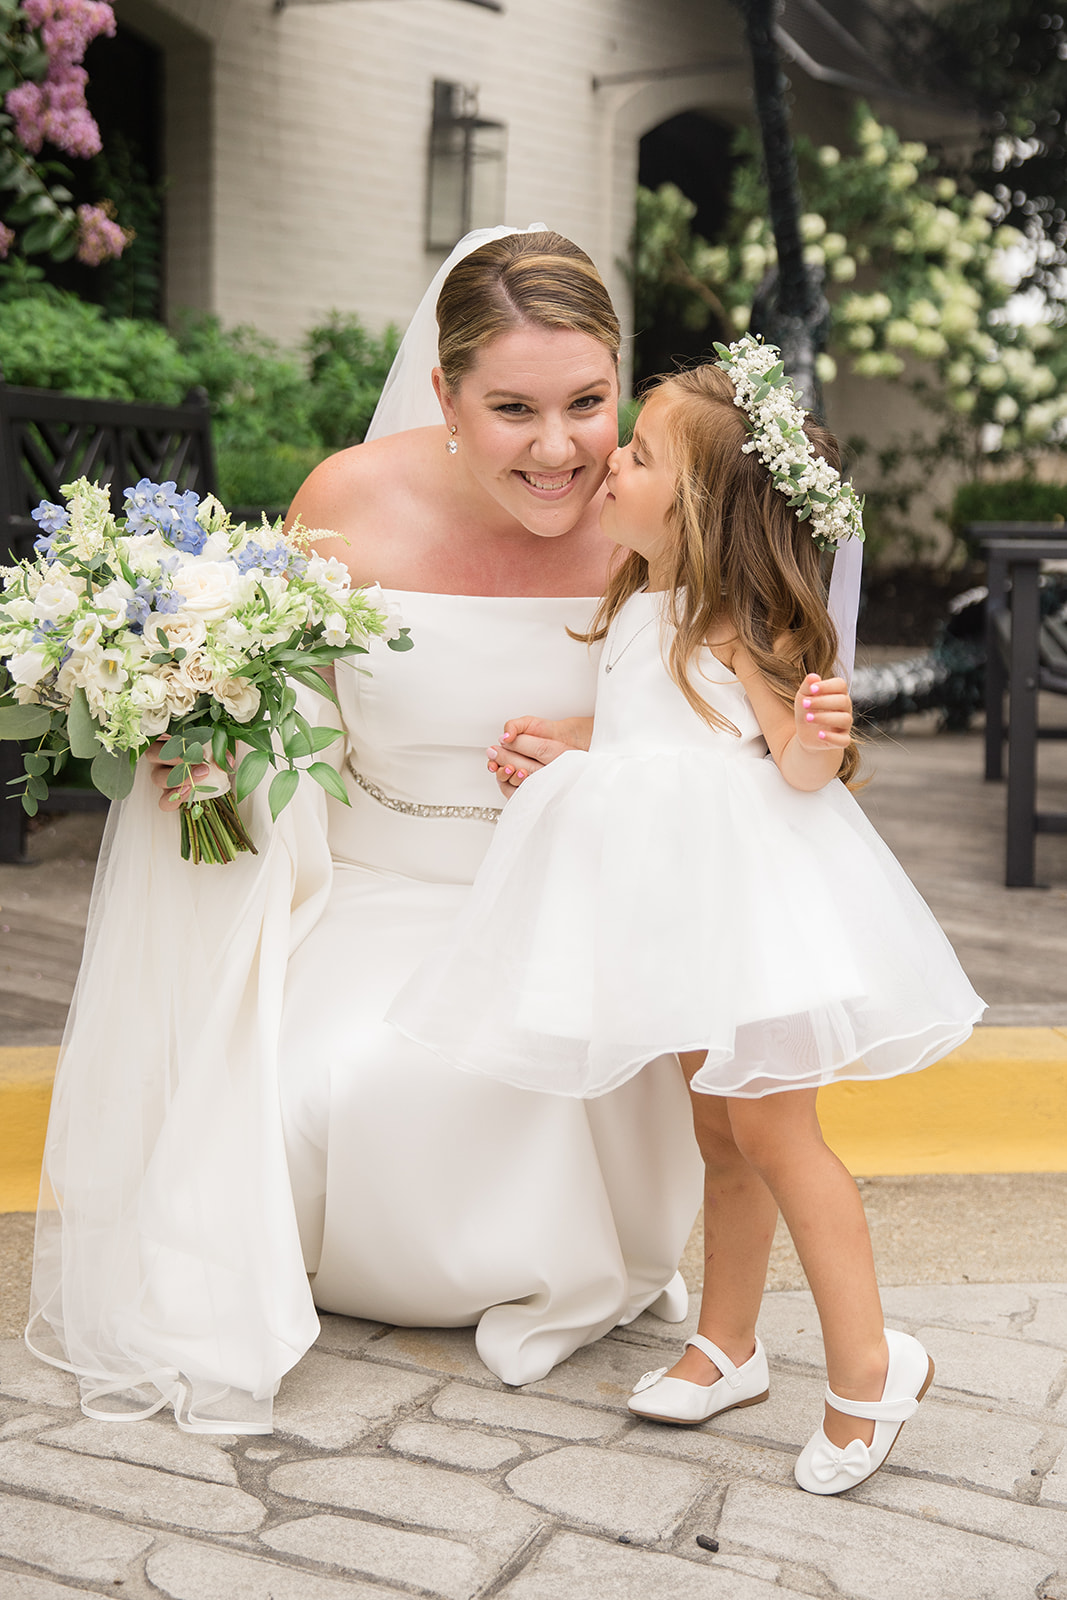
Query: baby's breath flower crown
(776, 419)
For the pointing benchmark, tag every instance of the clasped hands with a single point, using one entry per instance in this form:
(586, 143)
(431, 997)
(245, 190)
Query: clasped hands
(530, 743)
(823, 712)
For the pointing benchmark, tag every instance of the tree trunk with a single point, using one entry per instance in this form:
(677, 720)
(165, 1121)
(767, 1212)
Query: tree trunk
(789, 309)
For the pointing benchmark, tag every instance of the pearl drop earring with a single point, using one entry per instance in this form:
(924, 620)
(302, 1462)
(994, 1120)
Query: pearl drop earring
(450, 444)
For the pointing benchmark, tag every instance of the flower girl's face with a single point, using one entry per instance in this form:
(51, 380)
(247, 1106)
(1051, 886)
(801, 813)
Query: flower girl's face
(641, 485)
(536, 419)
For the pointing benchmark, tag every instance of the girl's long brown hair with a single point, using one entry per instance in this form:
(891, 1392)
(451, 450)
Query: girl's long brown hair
(737, 551)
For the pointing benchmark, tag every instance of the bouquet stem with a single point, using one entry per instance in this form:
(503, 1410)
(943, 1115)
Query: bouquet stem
(212, 831)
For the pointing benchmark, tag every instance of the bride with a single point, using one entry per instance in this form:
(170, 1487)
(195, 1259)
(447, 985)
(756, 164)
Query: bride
(236, 1136)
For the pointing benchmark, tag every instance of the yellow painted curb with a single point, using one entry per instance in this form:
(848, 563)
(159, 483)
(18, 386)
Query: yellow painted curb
(997, 1104)
(25, 1093)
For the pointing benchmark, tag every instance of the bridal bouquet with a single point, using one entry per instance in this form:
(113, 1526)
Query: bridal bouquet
(174, 623)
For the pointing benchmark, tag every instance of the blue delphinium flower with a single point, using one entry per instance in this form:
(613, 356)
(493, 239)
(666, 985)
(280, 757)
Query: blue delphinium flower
(43, 629)
(168, 602)
(137, 609)
(51, 520)
(150, 506)
(187, 534)
(276, 560)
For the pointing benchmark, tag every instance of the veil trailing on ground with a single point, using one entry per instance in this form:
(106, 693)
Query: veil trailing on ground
(168, 1268)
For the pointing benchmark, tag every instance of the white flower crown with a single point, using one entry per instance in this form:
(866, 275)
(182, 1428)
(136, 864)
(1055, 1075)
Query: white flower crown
(776, 418)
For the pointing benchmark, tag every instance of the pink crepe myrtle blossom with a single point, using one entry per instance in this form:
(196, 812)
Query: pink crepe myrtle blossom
(7, 239)
(55, 109)
(99, 237)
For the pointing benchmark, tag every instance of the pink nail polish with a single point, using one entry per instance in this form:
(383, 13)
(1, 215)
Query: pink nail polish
(519, 776)
(504, 737)
(509, 771)
(810, 717)
(822, 735)
(491, 753)
(805, 703)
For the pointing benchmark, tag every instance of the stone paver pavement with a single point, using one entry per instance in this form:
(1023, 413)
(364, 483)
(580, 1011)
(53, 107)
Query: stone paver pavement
(400, 1466)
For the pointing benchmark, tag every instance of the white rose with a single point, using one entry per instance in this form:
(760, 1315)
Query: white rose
(149, 695)
(240, 698)
(206, 588)
(195, 671)
(180, 697)
(184, 630)
(53, 603)
(29, 666)
(233, 633)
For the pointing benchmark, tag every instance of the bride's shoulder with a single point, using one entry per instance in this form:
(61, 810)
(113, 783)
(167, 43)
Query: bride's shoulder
(360, 493)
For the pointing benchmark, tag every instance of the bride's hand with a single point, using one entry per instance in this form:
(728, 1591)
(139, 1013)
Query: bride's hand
(205, 773)
(529, 743)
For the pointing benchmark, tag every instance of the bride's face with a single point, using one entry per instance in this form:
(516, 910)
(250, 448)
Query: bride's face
(536, 418)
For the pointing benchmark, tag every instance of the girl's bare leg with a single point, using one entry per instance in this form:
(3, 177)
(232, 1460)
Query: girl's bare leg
(739, 1219)
(781, 1140)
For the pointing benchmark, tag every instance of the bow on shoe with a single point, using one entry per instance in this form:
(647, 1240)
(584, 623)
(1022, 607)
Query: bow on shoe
(647, 1379)
(828, 1461)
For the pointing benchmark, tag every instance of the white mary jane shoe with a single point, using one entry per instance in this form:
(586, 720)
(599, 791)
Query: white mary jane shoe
(823, 1468)
(664, 1399)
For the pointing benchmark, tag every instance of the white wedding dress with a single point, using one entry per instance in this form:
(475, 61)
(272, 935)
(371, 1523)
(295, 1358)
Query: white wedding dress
(228, 1092)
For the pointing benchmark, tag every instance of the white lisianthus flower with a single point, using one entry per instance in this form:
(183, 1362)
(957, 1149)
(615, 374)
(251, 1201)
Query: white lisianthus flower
(85, 635)
(239, 697)
(336, 630)
(184, 630)
(53, 602)
(233, 633)
(394, 617)
(843, 269)
(207, 588)
(149, 696)
(331, 574)
(104, 672)
(28, 667)
(111, 603)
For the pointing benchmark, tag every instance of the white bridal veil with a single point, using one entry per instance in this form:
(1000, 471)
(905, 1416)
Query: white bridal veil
(168, 1268)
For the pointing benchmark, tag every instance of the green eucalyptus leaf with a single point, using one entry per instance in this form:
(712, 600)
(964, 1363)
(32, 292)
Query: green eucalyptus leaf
(404, 642)
(81, 729)
(29, 805)
(24, 722)
(112, 774)
(37, 765)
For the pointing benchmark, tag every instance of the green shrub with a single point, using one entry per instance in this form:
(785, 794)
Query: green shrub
(57, 341)
(275, 414)
(1011, 500)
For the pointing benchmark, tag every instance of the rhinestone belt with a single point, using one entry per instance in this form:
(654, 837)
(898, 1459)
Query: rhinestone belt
(412, 808)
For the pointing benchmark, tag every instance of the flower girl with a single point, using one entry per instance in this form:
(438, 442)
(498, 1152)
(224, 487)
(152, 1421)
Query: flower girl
(698, 882)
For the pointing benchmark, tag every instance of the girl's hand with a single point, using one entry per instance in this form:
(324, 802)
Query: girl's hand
(529, 743)
(823, 713)
(206, 775)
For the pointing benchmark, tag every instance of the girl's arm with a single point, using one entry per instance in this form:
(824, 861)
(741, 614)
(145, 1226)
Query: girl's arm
(808, 742)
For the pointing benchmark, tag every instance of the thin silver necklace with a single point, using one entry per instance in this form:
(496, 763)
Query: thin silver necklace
(610, 665)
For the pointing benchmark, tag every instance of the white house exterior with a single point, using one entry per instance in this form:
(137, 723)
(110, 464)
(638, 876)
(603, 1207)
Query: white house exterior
(297, 133)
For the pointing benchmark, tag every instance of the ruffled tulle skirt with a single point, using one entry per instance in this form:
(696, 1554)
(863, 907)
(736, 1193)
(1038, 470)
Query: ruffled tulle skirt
(687, 900)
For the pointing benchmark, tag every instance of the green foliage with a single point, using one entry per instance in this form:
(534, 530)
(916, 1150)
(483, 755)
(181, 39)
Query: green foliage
(130, 286)
(52, 340)
(1011, 500)
(276, 415)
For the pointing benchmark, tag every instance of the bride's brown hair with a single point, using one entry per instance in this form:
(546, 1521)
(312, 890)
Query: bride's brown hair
(539, 278)
(737, 550)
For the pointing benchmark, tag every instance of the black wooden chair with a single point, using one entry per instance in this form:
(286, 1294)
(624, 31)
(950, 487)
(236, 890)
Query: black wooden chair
(49, 439)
